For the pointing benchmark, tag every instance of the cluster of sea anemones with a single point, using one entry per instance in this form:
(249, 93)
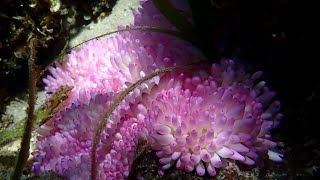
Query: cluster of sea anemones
(196, 118)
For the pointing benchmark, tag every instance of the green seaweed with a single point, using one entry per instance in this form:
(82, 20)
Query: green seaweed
(42, 114)
(10, 134)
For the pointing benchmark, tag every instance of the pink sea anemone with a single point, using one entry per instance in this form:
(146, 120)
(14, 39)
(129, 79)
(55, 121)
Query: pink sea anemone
(113, 64)
(102, 66)
(199, 119)
(64, 148)
(196, 118)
